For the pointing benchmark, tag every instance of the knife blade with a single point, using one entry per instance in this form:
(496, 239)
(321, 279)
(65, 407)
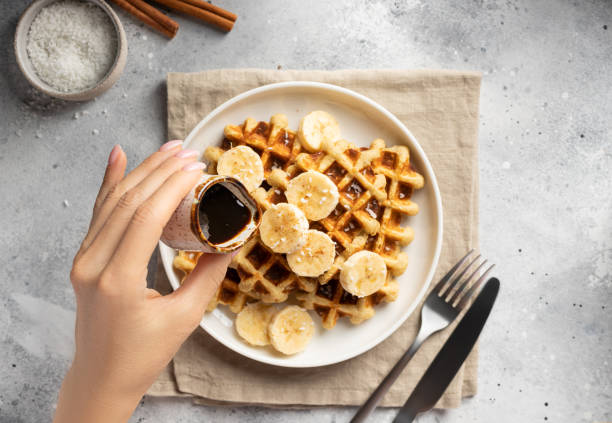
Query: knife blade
(449, 359)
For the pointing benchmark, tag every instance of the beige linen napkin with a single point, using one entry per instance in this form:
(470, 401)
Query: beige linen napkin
(441, 109)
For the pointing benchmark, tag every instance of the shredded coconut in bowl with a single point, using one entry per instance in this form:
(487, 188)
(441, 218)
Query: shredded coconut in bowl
(72, 45)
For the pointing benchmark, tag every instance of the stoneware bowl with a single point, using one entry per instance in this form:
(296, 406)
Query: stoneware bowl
(23, 60)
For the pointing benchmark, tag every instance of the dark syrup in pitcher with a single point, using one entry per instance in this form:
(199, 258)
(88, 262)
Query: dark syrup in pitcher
(221, 214)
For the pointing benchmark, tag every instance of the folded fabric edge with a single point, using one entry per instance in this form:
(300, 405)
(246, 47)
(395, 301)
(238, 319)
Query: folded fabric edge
(197, 400)
(417, 71)
(447, 401)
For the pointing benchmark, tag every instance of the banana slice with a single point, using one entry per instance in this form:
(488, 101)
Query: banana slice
(315, 256)
(290, 330)
(252, 323)
(243, 164)
(363, 273)
(318, 127)
(314, 193)
(283, 228)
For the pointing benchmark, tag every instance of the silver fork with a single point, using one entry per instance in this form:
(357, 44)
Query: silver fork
(443, 304)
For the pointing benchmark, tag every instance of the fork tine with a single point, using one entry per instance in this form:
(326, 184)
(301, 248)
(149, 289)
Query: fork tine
(465, 284)
(445, 278)
(458, 278)
(473, 289)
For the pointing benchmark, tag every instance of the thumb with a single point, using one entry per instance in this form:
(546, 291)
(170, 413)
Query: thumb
(201, 285)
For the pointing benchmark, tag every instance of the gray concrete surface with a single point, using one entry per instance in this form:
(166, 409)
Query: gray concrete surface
(546, 191)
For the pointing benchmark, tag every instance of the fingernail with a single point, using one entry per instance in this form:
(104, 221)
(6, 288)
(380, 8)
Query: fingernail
(234, 253)
(194, 166)
(183, 154)
(114, 154)
(170, 145)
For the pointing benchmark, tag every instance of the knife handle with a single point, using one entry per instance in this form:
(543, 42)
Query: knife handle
(366, 409)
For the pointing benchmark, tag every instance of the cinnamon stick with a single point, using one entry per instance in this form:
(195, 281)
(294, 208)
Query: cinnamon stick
(212, 18)
(168, 28)
(212, 8)
(158, 16)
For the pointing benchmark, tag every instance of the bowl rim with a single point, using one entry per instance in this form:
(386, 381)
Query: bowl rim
(167, 264)
(114, 71)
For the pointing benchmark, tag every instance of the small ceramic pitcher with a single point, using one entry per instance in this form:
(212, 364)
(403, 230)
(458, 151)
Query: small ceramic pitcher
(184, 231)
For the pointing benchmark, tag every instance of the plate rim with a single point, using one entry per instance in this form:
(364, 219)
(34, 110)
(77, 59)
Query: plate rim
(383, 335)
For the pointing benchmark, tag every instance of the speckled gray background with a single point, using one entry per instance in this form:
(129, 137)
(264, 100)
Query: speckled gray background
(546, 188)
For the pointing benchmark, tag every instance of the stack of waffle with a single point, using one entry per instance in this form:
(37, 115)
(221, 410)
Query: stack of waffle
(375, 186)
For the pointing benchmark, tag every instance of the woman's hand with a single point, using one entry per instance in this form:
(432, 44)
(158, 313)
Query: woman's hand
(125, 332)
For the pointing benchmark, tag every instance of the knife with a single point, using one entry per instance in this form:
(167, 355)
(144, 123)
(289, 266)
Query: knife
(452, 355)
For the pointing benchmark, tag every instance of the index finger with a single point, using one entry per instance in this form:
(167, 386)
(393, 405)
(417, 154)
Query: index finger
(148, 222)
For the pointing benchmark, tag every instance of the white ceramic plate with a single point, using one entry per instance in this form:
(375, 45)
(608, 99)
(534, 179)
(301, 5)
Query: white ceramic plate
(361, 121)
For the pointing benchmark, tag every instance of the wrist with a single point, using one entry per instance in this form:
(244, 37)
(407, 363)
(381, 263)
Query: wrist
(87, 399)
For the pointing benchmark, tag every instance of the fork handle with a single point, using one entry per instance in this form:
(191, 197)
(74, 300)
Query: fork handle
(366, 409)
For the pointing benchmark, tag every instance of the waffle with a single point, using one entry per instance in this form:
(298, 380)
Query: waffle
(265, 275)
(350, 225)
(386, 210)
(185, 262)
(276, 144)
(394, 163)
(351, 222)
(228, 293)
(360, 190)
(331, 302)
